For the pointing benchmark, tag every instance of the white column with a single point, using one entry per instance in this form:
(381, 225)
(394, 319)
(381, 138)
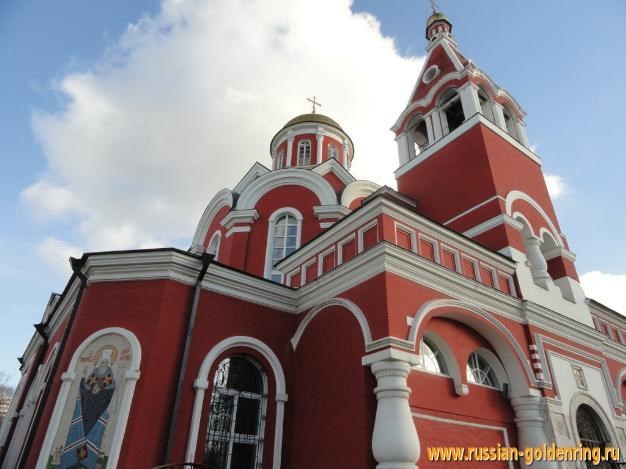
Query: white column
(429, 129)
(437, 130)
(274, 160)
(498, 115)
(395, 444)
(344, 151)
(403, 148)
(320, 144)
(538, 264)
(520, 127)
(289, 151)
(531, 430)
(469, 100)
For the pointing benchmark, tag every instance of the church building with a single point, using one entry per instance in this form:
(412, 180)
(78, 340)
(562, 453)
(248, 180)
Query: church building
(320, 321)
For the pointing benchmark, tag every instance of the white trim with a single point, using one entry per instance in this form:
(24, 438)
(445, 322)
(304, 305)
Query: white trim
(509, 351)
(495, 364)
(323, 212)
(467, 424)
(361, 231)
(619, 377)
(455, 254)
(271, 230)
(130, 378)
(514, 195)
(494, 275)
(334, 167)
(223, 198)
(292, 176)
(558, 251)
(320, 260)
(202, 383)
(305, 266)
(238, 229)
(218, 235)
(342, 243)
(356, 190)
(342, 302)
(435, 244)
(239, 216)
(476, 265)
(471, 209)
(491, 224)
(408, 230)
(257, 170)
(585, 398)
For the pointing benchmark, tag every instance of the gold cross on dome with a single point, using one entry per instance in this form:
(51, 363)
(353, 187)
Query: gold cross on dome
(315, 103)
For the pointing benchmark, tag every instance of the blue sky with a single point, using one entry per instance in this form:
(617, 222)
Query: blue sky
(563, 61)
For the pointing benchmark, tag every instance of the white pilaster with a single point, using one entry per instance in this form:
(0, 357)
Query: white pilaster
(520, 127)
(289, 151)
(344, 151)
(437, 129)
(395, 444)
(498, 115)
(320, 145)
(469, 100)
(403, 148)
(429, 129)
(531, 427)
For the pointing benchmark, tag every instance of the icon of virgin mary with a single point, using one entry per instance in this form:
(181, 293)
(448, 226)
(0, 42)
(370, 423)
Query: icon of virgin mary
(90, 416)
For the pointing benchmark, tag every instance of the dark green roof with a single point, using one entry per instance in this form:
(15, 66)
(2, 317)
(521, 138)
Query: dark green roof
(321, 118)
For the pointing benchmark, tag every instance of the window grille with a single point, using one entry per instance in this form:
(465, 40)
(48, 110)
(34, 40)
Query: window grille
(304, 153)
(479, 371)
(430, 358)
(236, 422)
(285, 241)
(333, 154)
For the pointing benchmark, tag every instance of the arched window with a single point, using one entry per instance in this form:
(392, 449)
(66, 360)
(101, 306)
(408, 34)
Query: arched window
(304, 153)
(485, 105)
(480, 371)
(283, 239)
(452, 115)
(332, 152)
(430, 358)
(418, 137)
(235, 427)
(592, 434)
(510, 123)
(214, 245)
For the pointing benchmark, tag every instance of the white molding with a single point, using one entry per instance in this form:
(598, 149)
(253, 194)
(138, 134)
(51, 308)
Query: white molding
(223, 198)
(408, 230)
(491, 224)
(303, 128)
(303, 269)
(559, 251)
(342, 243)
(130, 378)
(456, 133)
(239, 216)
(323, 212)
(320, 260)
(218, 235)
(257, 170)
(238, 229)
(455, 253)
(356, 190)
(341, 302)
(333, 166)
(433, 242)
(509, 351)
(202, 383)
(471, 209)
(514, 195)
(292, 176)
(361, 231)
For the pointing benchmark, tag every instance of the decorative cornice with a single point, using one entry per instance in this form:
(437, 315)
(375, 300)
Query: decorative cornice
(239, 216)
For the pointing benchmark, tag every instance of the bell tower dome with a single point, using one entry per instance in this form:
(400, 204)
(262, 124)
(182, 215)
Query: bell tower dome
(308, 140)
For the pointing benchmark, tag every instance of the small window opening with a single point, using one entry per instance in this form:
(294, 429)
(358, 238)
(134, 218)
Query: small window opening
(485, 105)
(304, 153)
(419, 137)
(510, 124)
(452, 111)
(479, 371)
(332, 152)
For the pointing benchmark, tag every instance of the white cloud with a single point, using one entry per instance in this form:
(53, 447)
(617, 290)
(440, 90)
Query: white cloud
(56, 253)
(184, 102)
(556, 185)
(48, 200)
(608, 289)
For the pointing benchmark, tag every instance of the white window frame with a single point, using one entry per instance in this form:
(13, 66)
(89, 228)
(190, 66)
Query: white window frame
(494, 275)
(410, 231)
(218, 235)
(291, 275)
(304, 161)
(474, 263)
(509, 279)
(341, 244)
(305, 266)
(494, 363)
(333, 150)
(269, 248)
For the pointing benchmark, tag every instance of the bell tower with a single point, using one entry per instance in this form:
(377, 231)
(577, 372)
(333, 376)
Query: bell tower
(464, 156)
